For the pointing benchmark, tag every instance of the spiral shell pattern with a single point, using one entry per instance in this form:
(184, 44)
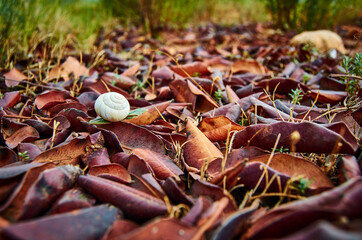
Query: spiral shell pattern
(112, 106)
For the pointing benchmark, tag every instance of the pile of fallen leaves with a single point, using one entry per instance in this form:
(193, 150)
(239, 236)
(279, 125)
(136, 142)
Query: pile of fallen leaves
(233, 134)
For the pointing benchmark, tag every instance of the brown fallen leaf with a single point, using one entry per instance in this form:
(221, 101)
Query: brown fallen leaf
(251, 66)
(295, 166)
(97, 219)
(112, 171)
(65, 154)
(12, 208)
(134, 203)
(132, 136)
(313, 138)
(14, 77)
(10, 99)
(199, 148)
(24, 134)
(218, 128)
(161, 164)
(70, 66)
(151, 114)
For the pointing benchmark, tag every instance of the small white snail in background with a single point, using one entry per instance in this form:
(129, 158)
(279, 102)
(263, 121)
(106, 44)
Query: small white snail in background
(112, 106)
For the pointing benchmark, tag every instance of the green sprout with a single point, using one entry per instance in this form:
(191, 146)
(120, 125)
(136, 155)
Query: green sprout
(24, 156)
(352, 66)
(217, 95)
(281, 149)
(302, 185)
(113, 83)
(196, 74)
(296, 96)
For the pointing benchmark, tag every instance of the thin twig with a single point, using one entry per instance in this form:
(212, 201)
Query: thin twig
(343, 75)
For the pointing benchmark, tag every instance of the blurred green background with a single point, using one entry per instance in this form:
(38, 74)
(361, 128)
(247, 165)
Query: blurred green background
(24, 24)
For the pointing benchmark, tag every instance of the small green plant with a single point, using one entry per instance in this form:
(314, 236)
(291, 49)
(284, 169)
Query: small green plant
(196, 74)
(281, 149)
(306, 77)
(302, 185)
(352, 67)
(217, 95)
(113, 83)
(24, 156)
(296, 96)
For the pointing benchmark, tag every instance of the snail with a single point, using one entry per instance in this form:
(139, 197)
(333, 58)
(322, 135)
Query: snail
(112, 106)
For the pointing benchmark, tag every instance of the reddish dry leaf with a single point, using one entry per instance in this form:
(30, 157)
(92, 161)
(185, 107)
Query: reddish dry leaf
(10, 99)
(13, 206)
(186, 92)
(63, 106)
(112, 171)
(70, 66)
(175, 193)
(161, 164)
(15, 170)
(50, 184)
(285, 85)
(193, 69)
(96, 158)
(199, 148)
(203, 188)
(67, 225)
(211, 217)
(51, 98)
(295, 221)
(31, 150)
(7, 156)
(119, 228)
(349, 168)
(135, 204)
(14, 77)
(234, 224)
(162, 229)
(219, 128)
(342, 200)
(131, 136)
(131, 71)
(71, 200)
(313, 138)
(295, 166)
(151, 114)
(101, 87)
(24, 134)
(251, 66)
(325, 231)
(251, 175)
(232, 97)
(121, 81)
(328, 96)
(64, 154)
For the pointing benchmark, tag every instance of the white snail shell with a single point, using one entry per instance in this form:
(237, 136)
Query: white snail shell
(112, 106)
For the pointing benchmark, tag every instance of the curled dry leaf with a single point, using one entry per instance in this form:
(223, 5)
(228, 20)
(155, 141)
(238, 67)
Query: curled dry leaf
(313, 138)
(199, 148)
(14, 77)
(64, 154)
(10, 99)
(71, 200)
(134, 204)
(295, 166)
(151, 114)
(219, 128)
(161, 164)
(70, 66)
(112, 171)
(131, 136)
(97, 219)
